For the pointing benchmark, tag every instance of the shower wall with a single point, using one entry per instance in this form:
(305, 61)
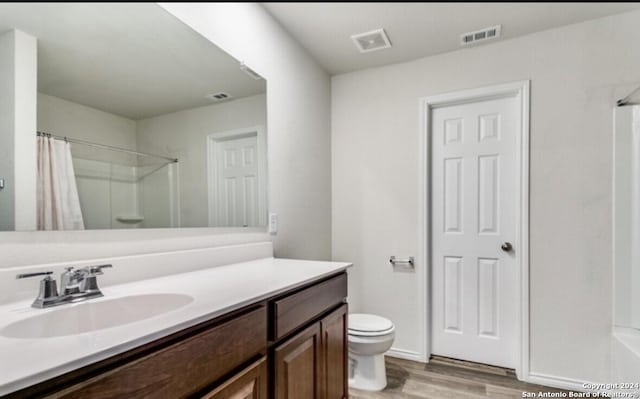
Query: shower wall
(627, 216)
(117, 196)
(158, 192)
(107, 193)
(635, 219)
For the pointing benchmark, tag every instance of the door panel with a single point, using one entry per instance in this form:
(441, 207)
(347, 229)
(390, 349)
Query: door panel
(488, 297)
(488, 199)
(453, 294)
(238, 173)
(474, 203)
(297, 366)
(453, 195)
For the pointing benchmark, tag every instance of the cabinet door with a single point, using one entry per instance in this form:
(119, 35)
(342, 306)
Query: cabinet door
(248, 384)
(334, 354)
(297, 366)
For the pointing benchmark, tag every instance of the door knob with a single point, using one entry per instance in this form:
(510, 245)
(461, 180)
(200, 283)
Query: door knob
(506, 247)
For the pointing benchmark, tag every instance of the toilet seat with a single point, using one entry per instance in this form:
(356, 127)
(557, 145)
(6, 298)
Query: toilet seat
(369, 325)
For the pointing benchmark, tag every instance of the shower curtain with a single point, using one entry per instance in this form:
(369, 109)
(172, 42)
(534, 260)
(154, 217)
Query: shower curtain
(58, 201)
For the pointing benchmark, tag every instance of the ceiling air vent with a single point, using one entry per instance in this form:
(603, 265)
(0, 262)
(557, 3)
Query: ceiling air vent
(371, 41)
(221, 96)
(480, 35)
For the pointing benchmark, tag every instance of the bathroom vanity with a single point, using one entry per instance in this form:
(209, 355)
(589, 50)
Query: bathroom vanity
(269, 328)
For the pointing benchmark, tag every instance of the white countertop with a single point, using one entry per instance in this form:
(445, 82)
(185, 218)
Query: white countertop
(215, 291)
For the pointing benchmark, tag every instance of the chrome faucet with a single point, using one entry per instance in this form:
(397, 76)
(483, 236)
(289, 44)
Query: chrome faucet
(70, 281)
(75, 285)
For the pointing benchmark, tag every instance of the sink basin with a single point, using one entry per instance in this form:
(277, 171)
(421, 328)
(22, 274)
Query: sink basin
(91, 316)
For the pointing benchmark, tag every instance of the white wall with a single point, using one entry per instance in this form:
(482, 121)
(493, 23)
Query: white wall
(66, 118)
(299, 150)
(298, 115)
(18, 77)
(577, 73)
(183, 135)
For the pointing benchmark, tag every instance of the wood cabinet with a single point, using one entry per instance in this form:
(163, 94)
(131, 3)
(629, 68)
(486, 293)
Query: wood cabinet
(249, 384)
(291, 346)
(313, 363)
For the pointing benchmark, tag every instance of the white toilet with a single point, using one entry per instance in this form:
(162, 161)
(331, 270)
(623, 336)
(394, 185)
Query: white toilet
(370, 336)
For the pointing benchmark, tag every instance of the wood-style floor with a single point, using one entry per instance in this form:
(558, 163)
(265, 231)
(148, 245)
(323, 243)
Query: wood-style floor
(447, 378)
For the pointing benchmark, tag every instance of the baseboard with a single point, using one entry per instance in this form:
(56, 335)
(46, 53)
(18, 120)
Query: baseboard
(534, 378)
(405, 354)
(557, 382)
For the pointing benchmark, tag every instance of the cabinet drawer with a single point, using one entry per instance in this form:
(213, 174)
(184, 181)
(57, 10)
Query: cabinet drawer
(294, 310)
(184, 368)
(251, 383)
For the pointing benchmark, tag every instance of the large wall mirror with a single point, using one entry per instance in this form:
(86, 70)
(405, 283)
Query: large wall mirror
(140, 122)
(626, 206)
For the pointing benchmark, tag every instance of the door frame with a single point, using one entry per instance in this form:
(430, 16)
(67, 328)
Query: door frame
(213, 140)
(520, 90)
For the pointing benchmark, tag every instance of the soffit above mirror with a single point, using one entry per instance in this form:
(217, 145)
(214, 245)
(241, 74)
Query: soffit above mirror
(84, 50)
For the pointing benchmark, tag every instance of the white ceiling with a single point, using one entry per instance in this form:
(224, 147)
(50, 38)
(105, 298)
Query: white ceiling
(418, 29)
(131, 59)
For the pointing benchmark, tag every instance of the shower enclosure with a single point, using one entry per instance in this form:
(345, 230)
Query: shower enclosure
(121, 188)
(626, 209)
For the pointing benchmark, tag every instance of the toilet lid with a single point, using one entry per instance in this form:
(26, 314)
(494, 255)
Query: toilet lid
(368, 323)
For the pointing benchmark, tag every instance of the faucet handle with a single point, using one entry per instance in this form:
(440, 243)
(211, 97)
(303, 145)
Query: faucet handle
(90, 282)
(48, 292)
(28, 275)
(97, 270)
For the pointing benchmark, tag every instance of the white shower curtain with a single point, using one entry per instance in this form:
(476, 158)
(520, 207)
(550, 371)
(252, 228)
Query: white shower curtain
(58, 201)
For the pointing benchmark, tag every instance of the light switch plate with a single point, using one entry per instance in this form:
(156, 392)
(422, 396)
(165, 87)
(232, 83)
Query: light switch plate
(273, 223)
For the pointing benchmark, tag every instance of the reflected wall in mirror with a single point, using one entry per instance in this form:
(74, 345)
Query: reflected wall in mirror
(164, 129)
(626, 186)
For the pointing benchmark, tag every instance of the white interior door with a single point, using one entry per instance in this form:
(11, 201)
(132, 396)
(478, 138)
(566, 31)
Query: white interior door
(475, 200)
(238, 186)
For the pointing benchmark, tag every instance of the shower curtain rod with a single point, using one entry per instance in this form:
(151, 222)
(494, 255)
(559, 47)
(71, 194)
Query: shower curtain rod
(624, 101)
(104, 146)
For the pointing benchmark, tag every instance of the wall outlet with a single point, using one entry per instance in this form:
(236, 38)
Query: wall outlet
(273, 223)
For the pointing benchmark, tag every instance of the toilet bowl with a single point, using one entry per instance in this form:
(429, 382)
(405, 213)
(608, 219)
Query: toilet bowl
(369, 336)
